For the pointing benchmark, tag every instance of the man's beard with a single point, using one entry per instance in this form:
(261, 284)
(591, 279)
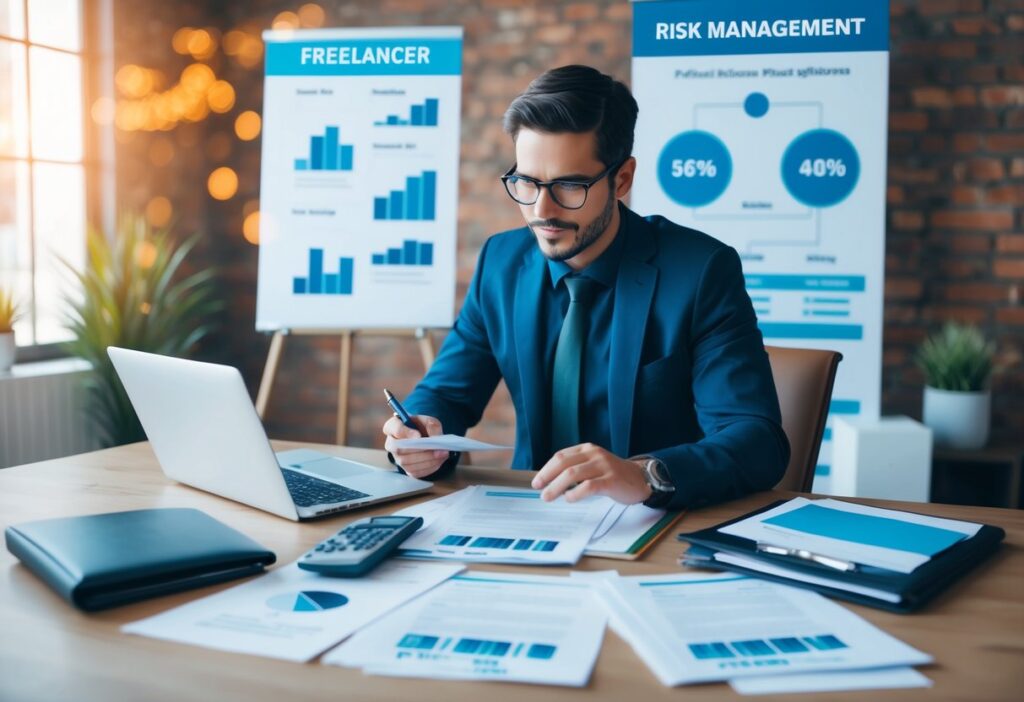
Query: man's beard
(591, 233)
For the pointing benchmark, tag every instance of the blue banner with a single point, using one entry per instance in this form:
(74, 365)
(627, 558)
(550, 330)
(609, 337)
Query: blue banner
(364, 57)
(733, 27)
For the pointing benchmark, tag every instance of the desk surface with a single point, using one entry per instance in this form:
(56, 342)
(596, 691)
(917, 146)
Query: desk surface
(48, 650)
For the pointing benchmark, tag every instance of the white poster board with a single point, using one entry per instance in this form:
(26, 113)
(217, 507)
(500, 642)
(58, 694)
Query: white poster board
(359, 180)
(764, 124)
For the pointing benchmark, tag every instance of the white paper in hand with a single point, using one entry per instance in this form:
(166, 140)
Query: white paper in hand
(447, 442)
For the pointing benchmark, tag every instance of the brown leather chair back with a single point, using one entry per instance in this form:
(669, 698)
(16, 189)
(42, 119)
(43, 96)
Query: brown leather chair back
(803, 380)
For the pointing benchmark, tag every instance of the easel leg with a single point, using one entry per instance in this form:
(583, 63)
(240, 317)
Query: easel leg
(344, 380)
(269, 371)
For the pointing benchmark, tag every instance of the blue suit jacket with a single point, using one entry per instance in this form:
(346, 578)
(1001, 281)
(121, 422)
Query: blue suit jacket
(689, 380)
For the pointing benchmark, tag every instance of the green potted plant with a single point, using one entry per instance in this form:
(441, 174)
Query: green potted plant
(957, 364)
(134, 294)
(9, 314)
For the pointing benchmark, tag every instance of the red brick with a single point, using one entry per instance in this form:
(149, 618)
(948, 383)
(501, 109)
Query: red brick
(986, 169)
(965, 96)
(894, 194)
(913, 175)
(970, 243)
(967, 143)
(967, 195)
(1015, 23)
(970, 315)
(956, 49)
(908, 121)
(1010, 243)
(580, 11)
(934, 144)
(1005, 142)
(554, 33)
(1010, 315)
(989, 220)
(1002, 95)
(903, 288)
(975, 26)
(1017, 168)
(1009, 268)
(948, 7)
(1012, 194)
(962, 268)
(932, 97)
(907, 220)
(976, 292)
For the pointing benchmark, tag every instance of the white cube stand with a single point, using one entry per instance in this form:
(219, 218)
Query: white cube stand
(889, 458)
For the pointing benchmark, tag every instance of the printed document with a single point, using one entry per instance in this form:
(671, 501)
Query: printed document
(448, 442)
(899, 541)
(486, 626)
(880, 679)
(490, 524)
(291, 613)
(703, 628)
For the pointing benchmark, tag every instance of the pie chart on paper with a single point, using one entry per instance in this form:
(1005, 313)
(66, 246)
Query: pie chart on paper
(307, 601)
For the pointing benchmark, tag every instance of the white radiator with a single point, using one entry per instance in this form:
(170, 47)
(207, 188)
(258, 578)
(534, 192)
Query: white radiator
(41, 412)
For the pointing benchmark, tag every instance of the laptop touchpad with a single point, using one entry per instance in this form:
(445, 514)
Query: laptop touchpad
(333, 468)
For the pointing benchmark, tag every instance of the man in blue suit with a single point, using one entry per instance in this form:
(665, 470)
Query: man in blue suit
(629, 345)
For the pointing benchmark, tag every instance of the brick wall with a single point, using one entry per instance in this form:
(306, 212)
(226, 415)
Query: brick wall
(955, 239)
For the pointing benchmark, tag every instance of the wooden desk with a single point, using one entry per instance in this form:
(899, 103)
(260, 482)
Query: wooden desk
(50, 651)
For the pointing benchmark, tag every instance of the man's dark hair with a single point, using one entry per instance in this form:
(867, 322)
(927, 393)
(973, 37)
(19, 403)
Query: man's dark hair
(578, 99)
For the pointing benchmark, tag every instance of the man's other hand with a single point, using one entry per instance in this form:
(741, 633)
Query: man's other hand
(587, 469)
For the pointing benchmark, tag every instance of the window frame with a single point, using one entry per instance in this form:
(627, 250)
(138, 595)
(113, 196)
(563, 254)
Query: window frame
(96, 26)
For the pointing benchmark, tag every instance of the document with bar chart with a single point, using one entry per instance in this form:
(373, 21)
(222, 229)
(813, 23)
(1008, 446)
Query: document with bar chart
(486, 626)
(491, 524)
(775, 143)
(359, 178)
(705, 628)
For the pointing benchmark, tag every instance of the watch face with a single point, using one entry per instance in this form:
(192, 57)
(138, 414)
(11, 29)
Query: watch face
(661, 478)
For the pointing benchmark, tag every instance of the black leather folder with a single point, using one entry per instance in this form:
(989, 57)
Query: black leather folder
(105, 560)
(910, 590)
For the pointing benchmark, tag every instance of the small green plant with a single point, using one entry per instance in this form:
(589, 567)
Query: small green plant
(9, 312)
(134, 294)
(957, 358)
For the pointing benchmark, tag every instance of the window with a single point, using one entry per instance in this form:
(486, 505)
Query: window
(42, 160)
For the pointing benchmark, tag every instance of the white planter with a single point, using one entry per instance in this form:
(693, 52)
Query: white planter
(7, 348)
(958, 419)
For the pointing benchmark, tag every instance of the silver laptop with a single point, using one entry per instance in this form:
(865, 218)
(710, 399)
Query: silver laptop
(206, 433)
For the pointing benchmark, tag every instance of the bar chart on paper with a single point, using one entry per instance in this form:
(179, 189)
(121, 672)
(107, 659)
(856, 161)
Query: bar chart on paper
(319, 282)
(410, 253)
(477, 647)
(326, 153)
(422, 115)
(416, 202)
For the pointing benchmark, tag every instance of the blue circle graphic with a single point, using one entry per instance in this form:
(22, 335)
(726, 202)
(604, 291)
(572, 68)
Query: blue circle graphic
(820, 168)
(694, 168)
(756, 105)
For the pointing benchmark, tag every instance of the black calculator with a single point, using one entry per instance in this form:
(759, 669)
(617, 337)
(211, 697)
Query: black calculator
(360, 547)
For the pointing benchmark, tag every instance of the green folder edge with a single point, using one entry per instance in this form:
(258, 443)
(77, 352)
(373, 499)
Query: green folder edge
(646, 540)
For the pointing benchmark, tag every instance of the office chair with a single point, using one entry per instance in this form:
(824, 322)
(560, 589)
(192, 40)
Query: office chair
(803, 380)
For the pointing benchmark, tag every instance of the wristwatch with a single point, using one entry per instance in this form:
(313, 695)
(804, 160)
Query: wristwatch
(659, 479)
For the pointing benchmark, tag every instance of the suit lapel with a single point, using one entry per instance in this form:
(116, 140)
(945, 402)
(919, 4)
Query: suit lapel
(634, 291)
(530, 350)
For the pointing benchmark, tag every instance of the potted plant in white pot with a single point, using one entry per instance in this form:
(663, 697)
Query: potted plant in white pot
(8, 316)
(957, 364)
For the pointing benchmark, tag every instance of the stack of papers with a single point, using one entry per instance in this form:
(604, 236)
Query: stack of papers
(704, 628)
(491, 524)
(292, 613)
(485, 626)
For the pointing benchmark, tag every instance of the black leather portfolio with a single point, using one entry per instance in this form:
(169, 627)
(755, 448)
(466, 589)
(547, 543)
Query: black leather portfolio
(104, 560)
(876, 587)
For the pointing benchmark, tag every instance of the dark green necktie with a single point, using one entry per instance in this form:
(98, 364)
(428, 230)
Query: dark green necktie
(568, 368)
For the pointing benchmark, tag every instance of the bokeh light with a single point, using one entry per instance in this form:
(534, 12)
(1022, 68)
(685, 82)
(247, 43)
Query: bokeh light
(145, 255)
(222, 183)
(180, 40)
(103, 111)
(221, 96)
(247, 125)
(311, 15)
(251, 227)
(285, 20)
(158, 212)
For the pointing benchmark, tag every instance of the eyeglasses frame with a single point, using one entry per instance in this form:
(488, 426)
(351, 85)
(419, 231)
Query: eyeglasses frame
(585, 184)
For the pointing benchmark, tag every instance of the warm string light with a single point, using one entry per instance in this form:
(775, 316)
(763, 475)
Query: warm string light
(145, 105)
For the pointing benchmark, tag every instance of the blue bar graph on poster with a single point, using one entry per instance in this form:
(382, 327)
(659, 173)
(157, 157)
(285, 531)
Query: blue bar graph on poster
(410, 253)
(420, 115)
(417, 202)
(317, 282)
(326, 153)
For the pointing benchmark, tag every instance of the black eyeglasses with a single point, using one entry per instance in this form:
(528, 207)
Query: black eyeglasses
(568, 194)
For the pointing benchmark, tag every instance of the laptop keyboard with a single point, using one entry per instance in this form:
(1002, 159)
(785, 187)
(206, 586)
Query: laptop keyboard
(308, 491)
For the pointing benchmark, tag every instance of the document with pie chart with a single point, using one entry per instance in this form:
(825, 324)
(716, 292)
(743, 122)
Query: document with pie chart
(290, 613)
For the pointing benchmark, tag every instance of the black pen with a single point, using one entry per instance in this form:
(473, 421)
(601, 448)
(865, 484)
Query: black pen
(400, 412)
